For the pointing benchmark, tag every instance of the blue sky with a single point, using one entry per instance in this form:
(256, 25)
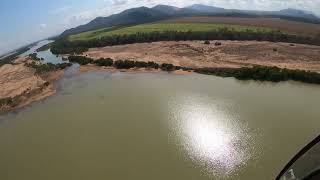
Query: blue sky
(26, 21)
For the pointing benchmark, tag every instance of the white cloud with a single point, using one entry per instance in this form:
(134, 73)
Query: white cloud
(119, 2)
(43, 26)
(61, 10)
(311, 5)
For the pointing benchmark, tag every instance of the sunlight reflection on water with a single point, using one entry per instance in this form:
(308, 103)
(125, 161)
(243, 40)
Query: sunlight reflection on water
(212, 136)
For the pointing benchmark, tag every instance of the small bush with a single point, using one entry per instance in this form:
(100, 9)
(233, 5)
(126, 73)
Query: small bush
(80, 60)
(46, 83)
(141, 64)
(6, 101)
(63, 65)
(167, 67)
(124, 64)
(217, 43)
(207, 42)
(33, 56)
(153, 65)
(104, 62)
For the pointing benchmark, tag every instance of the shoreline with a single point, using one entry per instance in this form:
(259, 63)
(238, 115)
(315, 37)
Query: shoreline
(22, 86)
(45, 91)
(40, 93)
(94, 68)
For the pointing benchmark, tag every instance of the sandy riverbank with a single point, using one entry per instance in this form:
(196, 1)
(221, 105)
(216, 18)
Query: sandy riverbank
(91, 68)
(22, 86)
(231, 54)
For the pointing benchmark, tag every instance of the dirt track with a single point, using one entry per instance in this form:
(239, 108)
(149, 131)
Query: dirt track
(229, 54)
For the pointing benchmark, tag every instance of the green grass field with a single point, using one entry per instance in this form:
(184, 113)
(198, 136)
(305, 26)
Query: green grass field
(160, 27)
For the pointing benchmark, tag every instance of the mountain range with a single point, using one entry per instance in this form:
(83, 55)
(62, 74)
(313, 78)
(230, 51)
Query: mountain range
(160, 12)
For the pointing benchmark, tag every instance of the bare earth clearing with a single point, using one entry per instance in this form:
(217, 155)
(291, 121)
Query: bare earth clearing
(232, 54)
(285, 25)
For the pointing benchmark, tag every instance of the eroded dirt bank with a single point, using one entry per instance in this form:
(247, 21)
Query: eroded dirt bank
(21, 86)
(232, 54)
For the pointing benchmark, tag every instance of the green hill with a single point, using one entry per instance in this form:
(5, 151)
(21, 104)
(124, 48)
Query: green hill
(161, 12)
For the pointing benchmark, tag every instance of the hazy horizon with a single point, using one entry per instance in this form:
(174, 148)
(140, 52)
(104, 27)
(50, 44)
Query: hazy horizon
(24, 22)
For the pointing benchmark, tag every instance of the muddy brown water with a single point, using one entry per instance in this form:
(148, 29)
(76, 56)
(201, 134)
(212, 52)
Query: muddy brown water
(159, 126)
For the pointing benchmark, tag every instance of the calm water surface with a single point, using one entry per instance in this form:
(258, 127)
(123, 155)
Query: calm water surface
(159, 126)
(46, 55)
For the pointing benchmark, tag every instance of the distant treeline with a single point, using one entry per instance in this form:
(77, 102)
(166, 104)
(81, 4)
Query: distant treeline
(64, 46)
(44, 47)
(10, 58)
(47, 67)
(259, 73)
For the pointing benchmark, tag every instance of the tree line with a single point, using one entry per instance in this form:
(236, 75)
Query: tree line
(64, 46)
(125, 64)
(259, 73)
(263, 73)
(47, 67)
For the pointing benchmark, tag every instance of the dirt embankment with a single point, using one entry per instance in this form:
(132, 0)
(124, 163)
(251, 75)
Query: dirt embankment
(231, 54)
(20, 85)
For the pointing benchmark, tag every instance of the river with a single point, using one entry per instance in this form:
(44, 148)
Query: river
(159, 126)
(46, 55)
